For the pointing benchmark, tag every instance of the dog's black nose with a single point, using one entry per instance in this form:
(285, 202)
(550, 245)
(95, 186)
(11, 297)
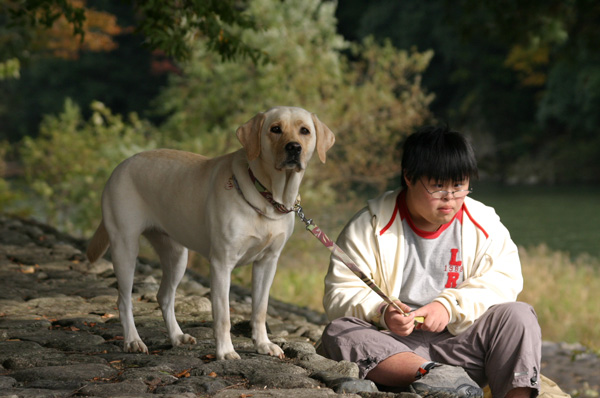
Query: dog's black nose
(293, 148)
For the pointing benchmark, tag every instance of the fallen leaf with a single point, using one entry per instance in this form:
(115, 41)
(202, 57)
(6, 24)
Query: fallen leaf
(212, 374)
(185, 373)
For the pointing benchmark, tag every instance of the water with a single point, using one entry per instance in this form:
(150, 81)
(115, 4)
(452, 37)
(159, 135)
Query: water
(565, 219)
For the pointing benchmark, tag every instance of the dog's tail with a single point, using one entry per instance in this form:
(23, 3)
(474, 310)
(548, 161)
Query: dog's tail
(99, 243)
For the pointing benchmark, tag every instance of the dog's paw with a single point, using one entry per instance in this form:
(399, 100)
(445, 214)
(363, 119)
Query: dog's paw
(271, 349)
(228, 355)
(183, 339)
(135, 346)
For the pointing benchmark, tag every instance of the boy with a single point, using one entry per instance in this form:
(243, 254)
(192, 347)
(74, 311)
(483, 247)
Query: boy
(446, 257)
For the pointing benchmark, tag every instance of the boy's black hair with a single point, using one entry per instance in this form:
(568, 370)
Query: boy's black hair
(439, 154)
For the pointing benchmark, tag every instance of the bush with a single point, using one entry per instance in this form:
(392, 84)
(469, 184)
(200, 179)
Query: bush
(69, 163)
(370, 95)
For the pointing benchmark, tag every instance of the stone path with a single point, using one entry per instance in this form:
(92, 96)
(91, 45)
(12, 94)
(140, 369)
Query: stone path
(60, 335)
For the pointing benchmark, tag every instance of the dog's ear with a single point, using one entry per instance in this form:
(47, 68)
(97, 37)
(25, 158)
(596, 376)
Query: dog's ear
(249, 135)
(325, 138)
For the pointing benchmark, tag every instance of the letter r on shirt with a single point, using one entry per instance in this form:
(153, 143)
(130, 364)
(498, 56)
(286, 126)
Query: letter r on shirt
(452, 278)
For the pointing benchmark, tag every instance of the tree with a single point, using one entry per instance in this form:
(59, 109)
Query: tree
(41, 39)
(371, 99)
(109, 65)
(500, 72)
(171, 27)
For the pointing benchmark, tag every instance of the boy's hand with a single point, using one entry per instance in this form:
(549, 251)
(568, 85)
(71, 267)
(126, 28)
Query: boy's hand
(398, 323)
(436, 317)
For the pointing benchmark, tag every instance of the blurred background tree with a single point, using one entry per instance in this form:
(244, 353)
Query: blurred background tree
(369, 94)
(523, 80)
(371, 98)
(520, 77)
(68, 163)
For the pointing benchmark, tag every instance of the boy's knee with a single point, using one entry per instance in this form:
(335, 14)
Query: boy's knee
(517, 313)
(334, 328)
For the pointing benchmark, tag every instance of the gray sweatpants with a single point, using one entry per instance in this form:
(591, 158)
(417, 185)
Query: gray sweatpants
(503, 348)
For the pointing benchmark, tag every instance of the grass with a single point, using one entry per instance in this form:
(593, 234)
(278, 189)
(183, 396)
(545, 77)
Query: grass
(564, 292)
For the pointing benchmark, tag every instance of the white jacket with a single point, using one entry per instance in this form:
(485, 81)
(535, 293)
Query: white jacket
(492, 270)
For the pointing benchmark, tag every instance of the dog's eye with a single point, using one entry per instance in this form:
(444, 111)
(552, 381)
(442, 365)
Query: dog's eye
(304, 131)
(276, 130)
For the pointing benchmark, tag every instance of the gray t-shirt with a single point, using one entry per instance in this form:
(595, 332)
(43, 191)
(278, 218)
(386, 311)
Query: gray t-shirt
(432, 262)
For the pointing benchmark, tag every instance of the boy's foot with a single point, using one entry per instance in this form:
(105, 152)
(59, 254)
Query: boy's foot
(444, 381)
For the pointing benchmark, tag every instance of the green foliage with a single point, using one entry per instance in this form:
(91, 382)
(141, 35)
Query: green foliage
(33, 33)
(46, 13)
(371, 100)
(69, 163)
(9, 69)
(19, 21)
(518, 77)
(169, 26)
(173, 27)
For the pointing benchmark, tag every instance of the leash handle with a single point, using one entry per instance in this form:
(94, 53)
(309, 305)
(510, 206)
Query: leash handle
(339, 253)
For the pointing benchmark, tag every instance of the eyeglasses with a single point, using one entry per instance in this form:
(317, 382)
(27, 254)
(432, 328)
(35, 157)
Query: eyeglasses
(442, 194)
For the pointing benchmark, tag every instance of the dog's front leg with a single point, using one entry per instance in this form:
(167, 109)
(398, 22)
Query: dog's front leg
(220, 281)
(263, 273)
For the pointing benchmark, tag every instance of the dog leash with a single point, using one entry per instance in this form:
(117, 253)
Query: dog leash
(322, 237)
(344, 258)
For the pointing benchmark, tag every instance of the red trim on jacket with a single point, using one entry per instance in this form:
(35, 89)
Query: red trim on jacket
(401, 202)
(405, 214)
(475, 222)
(396, 211)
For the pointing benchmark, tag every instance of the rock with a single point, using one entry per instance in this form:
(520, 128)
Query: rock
(343, 385)
(7, 382)
(68, 377)
(111, 389)
(60, 335)
(288, 393)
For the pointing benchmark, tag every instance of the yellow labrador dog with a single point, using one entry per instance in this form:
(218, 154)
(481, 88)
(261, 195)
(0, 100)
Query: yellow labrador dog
(233, 209)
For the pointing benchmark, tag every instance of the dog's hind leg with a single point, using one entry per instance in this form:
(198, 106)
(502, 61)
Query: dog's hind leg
(124, 252)
(263, 272)
(173, 258)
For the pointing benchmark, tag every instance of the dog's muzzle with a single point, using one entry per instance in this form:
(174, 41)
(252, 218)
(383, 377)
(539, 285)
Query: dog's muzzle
(293, 150)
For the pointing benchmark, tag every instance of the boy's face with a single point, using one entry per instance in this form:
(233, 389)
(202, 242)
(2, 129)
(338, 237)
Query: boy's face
(427, 212)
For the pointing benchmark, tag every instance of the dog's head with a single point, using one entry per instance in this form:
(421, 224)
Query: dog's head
(285, 136)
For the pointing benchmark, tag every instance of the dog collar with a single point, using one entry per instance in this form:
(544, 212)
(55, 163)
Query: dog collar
(267, 195)
(280, 208)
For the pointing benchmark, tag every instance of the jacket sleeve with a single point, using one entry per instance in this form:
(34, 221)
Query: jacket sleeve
(345, 293)
(494, 277)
